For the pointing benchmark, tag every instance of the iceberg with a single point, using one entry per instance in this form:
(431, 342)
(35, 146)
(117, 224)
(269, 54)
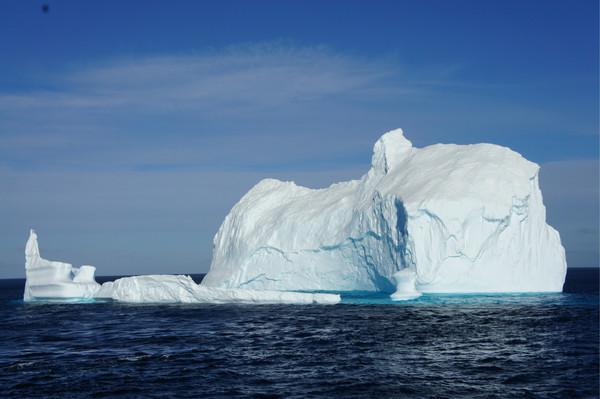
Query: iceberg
(47, 279)
(51, 280)
(444, 218)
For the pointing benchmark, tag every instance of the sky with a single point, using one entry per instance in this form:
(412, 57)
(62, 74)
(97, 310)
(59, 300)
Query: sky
(128, 130)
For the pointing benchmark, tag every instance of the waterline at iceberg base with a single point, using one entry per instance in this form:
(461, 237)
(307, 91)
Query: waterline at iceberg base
(440, 219)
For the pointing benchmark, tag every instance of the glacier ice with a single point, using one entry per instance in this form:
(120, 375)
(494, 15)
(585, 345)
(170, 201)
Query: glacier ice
(55, 280)
(445, 218)
(51, 280)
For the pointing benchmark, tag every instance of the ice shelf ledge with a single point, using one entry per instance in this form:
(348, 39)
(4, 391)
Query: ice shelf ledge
(51, 280)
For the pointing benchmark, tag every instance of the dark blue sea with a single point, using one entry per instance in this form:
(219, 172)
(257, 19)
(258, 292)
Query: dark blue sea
(447, 346)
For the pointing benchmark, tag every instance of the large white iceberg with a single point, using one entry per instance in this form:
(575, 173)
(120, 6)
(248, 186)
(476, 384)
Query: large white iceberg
(451, 218)
(51, 280)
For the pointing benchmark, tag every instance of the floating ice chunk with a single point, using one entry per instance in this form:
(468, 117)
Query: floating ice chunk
(406, 280)
(55, 280)
(465, 218)
(182, 289)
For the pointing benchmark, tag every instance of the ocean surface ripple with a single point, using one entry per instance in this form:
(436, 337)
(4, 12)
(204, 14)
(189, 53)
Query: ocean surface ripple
(531, 346)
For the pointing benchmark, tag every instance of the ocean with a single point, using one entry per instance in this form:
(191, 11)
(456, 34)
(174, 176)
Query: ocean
(442, 346)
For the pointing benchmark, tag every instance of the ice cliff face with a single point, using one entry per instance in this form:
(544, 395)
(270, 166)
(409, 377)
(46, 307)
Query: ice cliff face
(452, 218)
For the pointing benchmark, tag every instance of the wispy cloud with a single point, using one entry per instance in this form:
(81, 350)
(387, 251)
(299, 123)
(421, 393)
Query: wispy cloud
(248, 106)
(197, 109)
(267, 75)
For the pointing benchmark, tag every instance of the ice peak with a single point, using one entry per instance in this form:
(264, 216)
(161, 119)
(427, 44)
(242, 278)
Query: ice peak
(389, 150)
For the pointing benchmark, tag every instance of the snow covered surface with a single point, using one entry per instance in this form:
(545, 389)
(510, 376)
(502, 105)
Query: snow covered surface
(49, 280)
(452, 218)
(55, 280)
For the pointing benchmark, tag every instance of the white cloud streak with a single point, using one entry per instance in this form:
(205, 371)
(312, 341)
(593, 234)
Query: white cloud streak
(252, 77)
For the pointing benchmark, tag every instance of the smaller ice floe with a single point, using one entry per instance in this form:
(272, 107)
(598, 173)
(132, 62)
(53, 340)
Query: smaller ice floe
(406, 280)
(182, 289)
(51, 280)
(48, 279)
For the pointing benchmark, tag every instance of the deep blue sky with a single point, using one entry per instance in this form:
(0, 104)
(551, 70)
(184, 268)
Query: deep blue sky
(128, 130)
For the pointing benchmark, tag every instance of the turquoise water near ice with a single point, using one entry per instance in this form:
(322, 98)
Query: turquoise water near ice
(366, 298)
